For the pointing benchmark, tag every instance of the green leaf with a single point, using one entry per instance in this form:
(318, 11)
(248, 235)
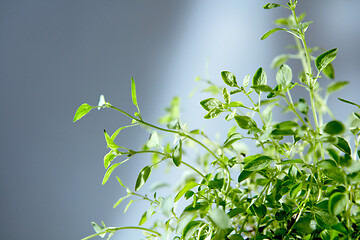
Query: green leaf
(213, 113)
(246, 80)
(334, 128)
(325, 59)
(210, 103)
(143, 177)
(110, 141)
(82, 111)
(303, 106)
(245, 122)
(244, 175)
(114, 135)
(347, 101)
(220, 218)
(284, 76)
(109, 172)
(133, 94)
(279, 60)
(229, 78)
(295, 189)
(282, 132)
(232, 138)
(108, 158)
(153, 140)
(337, 203)
(325, 220)
(259, 211)
(236, 104)
(189, 185)
(120, 201)
(226, 96)
(268, 33)
(356, 115)
(177, 154)
(143, 219)
(291, 161)
(258, 163)
(128, 205)
(190, 229)
(99, 229)
(335, 86)
(262, 88)
(259, 78)
(343, 145)
(286, 125)
(120, 182)
(329, 71)
(271, 5)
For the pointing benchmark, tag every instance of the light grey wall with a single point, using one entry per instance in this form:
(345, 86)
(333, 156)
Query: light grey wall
(57, 54)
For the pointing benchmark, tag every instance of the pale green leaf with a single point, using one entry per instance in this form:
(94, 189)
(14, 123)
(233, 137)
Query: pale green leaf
(189, 185)
(220, 218)
(143, 177)
(229, 78)
(268, 33)
(82, 111)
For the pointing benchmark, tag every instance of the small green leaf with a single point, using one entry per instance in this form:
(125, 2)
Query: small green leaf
(286, 125)
(268, 33)
(109, 172)
(82, 111)
(143, 219)
(229, 78)
(108, 158)
(337, 203)
(282, 132)
(232, 138)
(143, 177)
(349, 102)
(329, 71)
(189, 185)
(120, 182)
(213, 113)
(295, 189)
(220, 218)
(279, 60)
(259, 211)
(153, 140)
(246, 80)
(177, 154)
(110, 142)
(343, 145)
(226, 96)
(271, 5)
(259, 78)
(335, 86)
(128, 205)
(190, 229)
(99, 229)
(291, 161)
(133, 94)
(236, 104)
(262, 88)
(245, 122)
(284, 76)
(325, 59)
(334, 128)
(120, 201)
(210, 103)
(303, 106)
(258, 163)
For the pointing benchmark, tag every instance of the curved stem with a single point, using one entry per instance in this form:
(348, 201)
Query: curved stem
(197, 171)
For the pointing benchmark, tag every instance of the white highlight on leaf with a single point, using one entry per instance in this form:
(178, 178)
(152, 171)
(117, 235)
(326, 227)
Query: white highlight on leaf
(101, 102)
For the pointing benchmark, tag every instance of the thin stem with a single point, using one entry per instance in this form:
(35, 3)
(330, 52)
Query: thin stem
(197, 171)
(114, 229)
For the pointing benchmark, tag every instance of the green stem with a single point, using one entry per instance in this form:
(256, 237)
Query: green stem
(114, 229)
(197, 171)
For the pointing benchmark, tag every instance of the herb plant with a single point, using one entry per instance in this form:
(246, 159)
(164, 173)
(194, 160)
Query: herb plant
(303, 182)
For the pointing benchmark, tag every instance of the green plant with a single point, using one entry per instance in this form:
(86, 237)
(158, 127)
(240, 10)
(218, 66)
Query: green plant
(302, 184)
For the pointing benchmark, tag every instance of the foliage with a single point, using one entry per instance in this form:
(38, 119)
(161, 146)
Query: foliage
(302, 184)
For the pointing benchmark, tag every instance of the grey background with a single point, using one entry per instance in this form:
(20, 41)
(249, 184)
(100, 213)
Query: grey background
(55, 55)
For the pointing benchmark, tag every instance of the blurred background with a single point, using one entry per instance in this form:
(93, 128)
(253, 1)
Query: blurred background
(57, 54)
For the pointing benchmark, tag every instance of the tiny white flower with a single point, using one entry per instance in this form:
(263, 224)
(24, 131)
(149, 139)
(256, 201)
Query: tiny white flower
(101, 102)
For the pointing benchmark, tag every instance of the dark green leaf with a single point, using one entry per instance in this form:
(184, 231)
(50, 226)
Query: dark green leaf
(356, 115)
(337, 203)
(234, 212)
(279, 60)
(143, 177)
(349, 102)
(245, 122)
(290, 161)
(177, 154)
(334, 128)
(335, 86)
(274, 93)
(262, 88)
(229, 78)
(189, 185)
(325, 59)
(259, 211)
(286, 125)
(284, 76)
(210, 103)
(329, 71)
(259, 78)
(271, 5)
(82, 111)
(268, 33)
(282, 132)
(220, 218)
(244, 175)
(305, 225)
(325, 220)
(258, 163)
(343, 145)
(303, 106)
(213, 113)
